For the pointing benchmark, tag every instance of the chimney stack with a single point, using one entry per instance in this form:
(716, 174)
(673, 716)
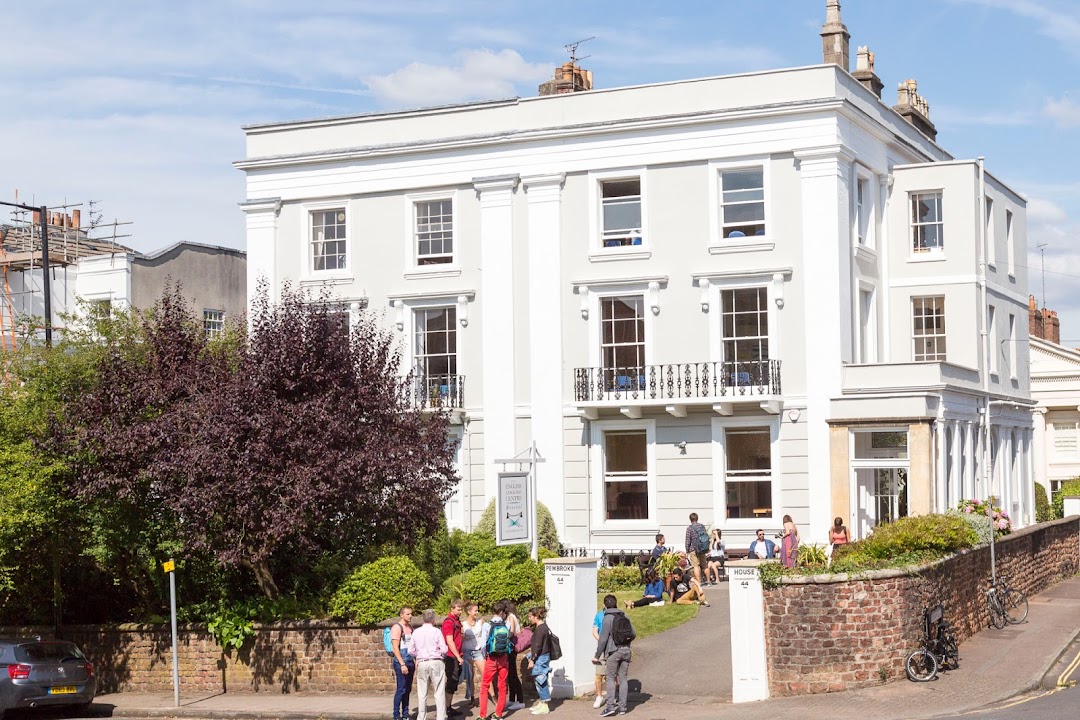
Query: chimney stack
(914, 108)
(864, 71)
(1043, 323)
(835, 38)
(569, 78)
(76, 218)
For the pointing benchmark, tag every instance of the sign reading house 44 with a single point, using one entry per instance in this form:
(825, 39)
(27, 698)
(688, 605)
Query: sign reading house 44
(514, 508)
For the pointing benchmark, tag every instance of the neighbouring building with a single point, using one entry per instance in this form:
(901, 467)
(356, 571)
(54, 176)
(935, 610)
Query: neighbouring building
(1055, 387)
(746, 296)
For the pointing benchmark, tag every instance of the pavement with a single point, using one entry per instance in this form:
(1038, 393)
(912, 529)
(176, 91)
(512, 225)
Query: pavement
(995, 665)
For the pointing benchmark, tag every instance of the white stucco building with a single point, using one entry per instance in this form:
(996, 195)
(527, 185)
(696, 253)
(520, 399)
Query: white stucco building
(1055, 386)
(745, 296)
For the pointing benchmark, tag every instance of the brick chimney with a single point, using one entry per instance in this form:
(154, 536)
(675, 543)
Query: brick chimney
(1043, 323)
(835, 38)
(569, 78)
(913, 107)
(864, 71)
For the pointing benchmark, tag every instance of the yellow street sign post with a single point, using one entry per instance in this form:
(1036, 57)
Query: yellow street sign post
(169, 566)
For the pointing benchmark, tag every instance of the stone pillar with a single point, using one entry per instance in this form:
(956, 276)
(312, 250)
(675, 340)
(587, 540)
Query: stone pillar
(746, 600)
(958, 462)
(261, 217)
(826, 231)
(944, 482)
(497, 318)
(920, 492)
(1038, 456)
(842, 503)
(1072, 505)
(546, 379)
(570, 585)
(972, 444)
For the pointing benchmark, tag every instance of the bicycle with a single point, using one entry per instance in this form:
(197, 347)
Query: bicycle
(1014, 602)
(939, 649)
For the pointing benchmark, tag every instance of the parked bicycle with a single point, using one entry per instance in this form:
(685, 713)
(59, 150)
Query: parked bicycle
(939, 649)
(1007, 605)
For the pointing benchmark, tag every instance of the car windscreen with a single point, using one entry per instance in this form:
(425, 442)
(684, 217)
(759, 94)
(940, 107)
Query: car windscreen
(47, 652)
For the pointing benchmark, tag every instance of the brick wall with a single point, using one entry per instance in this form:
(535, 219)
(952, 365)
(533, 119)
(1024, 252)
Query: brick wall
(829, 633)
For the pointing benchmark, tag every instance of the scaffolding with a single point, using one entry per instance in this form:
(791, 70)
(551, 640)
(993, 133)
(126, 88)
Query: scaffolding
(22, 256)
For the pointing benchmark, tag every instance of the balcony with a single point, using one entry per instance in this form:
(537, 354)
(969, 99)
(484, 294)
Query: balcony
(677, 386)
(436, 392)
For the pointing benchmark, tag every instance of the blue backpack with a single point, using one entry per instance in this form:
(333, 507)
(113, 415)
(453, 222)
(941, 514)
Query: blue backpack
(498, 642)
(388, 642)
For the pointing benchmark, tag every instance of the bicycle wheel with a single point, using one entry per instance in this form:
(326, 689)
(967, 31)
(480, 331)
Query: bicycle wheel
(1016, 606)
(997, 612)
(921, 666)
(951, 653)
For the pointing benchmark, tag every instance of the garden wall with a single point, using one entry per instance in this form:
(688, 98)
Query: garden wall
(828, 633)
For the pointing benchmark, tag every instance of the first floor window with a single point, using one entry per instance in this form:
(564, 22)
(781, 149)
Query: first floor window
(622, 341)
(742, 201)
(620, 202)
(748, 472)
(927, 225)
(1065, 438)
(328, 238)
(745, 317)
(434, 232)
(928, 328)
(435, 352)
(626, 475)
(213, 322)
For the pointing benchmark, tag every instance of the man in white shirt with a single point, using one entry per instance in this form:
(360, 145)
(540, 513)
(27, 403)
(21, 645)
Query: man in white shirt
(761, 548)
(429, 649)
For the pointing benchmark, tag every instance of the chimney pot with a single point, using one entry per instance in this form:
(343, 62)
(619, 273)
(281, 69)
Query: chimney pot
(835, 38)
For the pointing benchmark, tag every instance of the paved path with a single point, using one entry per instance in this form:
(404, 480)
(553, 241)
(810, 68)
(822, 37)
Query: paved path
(691, 662)
(995, 665)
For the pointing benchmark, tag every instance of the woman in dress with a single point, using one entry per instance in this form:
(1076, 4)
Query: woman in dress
(717, 557)
(472, 649)
(789, 547)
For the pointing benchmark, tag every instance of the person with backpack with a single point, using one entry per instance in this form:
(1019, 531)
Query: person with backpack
(397, 641)
(616, 635)
(515, 699)
(496, 662)
(539, 659)
(697, 546)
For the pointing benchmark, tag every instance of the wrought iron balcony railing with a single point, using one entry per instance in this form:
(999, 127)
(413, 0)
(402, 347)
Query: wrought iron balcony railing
(432, 392)
(680, 381)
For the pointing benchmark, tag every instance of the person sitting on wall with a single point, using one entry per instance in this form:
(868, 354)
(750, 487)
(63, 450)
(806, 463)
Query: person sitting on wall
(762, 548)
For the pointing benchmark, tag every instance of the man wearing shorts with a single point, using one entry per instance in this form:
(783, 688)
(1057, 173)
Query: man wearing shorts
(698, 558)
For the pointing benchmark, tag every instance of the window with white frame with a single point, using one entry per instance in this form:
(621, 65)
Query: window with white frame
(748, 472)
(744, 317)
(1065, 434)
(867, 339)
(434, 231)
(991, 241)
(622, 341)
(620, 210)
(328, 240)
(928, 328)
(435, 350)
(1009, 242)
(863, 210)
(339, 320)
(626, 475)
(927, 226)
(742, 202)
(213, 322)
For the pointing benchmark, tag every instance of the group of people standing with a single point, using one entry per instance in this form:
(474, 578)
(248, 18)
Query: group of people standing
(482, 654)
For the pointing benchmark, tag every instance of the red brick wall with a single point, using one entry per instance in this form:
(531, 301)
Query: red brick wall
(829, 633)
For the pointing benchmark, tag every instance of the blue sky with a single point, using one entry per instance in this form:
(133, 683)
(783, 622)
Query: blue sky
(138, 104)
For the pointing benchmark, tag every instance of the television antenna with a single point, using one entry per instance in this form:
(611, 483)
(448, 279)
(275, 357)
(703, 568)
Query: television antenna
(1042, 263)
(572, 49)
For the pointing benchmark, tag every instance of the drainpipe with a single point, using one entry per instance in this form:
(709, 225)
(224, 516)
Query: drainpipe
(468, 473)
(988, 470)
(588, 481)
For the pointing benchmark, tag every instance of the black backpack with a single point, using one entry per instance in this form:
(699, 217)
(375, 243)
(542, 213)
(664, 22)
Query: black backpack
(554, 646)
(622, 631)
(701, 538)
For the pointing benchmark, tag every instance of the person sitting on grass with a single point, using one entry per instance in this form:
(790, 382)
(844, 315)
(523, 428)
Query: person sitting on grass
(684, 589)
(654, 591)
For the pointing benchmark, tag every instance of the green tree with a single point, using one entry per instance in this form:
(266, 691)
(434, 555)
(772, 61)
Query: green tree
(545, 526)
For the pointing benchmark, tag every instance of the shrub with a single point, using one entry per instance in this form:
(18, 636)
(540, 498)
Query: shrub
(1072, 487)
(521, 582)
(468, 550)
(918, 533)
(545, 526)
(377, 591)
(620, 577)
(1001, 520)
(980, 524)
(452, 588)
(812, 556)
(1042, 504)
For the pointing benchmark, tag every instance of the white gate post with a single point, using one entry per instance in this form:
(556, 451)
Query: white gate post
(570, 585)
(749, 672)
(1071, 505)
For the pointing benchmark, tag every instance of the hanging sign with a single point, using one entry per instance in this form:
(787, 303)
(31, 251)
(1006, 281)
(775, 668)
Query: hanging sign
(514, 509)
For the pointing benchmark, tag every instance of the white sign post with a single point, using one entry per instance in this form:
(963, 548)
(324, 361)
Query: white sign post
(514, 509)
(570, 586)
(749, 672)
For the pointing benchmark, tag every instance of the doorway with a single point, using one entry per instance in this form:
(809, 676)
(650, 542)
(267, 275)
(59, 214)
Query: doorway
(879, 478)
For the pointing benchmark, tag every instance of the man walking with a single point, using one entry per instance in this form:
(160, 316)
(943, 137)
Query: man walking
(497, 662)
(697, 546)
(616, 634)
(452, 633)
(429, 647)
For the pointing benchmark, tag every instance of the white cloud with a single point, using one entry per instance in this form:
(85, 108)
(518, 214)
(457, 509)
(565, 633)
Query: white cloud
(1045, 212)
(480, 74)
(1055, 23)
(1063, 111)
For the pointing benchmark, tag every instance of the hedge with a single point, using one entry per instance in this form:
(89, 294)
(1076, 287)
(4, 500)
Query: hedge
(377, 590)
(619, 577)
(1072, 487)
(1042, 504)
(486, 584)
(545, 526)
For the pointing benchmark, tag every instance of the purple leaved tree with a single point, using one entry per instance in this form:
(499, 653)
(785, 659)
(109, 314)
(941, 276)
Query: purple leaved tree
(296, 438)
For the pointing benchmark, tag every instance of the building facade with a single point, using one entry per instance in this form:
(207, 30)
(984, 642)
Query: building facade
(743, 296)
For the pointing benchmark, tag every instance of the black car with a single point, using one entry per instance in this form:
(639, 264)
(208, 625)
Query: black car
(37, 673)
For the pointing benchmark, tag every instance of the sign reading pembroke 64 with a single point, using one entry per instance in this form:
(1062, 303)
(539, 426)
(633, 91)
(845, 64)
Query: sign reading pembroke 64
(514, 508)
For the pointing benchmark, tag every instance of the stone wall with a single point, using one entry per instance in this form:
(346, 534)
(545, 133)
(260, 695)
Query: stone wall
(282, 658)
(829, 633)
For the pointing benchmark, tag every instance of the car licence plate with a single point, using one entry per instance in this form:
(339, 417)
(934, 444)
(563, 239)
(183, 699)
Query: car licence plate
(63, 690)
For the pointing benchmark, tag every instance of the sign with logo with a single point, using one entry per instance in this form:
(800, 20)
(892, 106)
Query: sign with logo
(514, 509)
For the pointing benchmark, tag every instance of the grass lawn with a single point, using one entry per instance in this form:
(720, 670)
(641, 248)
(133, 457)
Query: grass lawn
(651, 620)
